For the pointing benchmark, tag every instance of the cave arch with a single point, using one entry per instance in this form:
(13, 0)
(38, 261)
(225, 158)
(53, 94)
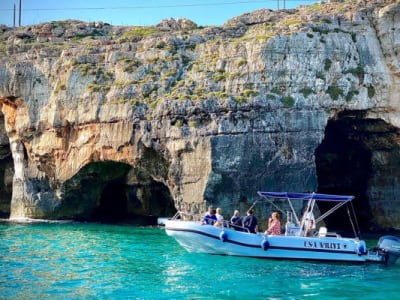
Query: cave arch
(358, 156)
(105, 192)
(6, 171)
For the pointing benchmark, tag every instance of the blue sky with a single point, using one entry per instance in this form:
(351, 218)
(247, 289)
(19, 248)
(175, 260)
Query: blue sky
(136, 12)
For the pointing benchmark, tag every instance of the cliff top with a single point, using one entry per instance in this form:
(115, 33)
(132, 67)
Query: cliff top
(277, 21)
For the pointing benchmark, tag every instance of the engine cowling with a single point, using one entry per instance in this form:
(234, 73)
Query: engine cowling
(391, 246)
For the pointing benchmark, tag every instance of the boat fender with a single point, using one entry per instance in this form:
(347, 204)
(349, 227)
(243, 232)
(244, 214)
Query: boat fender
(361, 250)
(223, 236)
(265, 245)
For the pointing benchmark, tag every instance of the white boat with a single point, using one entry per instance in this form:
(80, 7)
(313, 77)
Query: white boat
(195, 236)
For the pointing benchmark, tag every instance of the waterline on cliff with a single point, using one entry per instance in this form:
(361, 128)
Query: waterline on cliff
(31, 220)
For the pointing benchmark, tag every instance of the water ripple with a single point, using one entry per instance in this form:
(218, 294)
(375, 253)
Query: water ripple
(92, 261)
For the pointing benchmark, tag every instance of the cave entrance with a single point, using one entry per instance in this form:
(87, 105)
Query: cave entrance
(345, 163)
(112, 205)
(113, 192)
(6, 172)
(139, 203)
(6, 178)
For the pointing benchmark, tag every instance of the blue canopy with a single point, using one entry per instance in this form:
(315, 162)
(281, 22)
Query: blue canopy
(307, 196)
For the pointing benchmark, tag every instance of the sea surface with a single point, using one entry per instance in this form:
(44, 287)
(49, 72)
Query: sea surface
(98, 261)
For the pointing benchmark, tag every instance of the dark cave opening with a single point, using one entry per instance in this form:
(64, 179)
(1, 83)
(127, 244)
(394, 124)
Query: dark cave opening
(343, 166)
(112, 204)
(139, 204)
(112, 192)
(151, 199)
(6, 176)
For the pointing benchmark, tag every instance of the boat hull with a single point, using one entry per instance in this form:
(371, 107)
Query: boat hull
(196, 237)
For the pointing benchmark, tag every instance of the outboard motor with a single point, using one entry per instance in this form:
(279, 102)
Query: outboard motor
(391, 246)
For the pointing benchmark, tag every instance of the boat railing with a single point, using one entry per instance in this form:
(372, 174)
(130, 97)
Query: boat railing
(187, 216)
(228, 224)
(333, 234)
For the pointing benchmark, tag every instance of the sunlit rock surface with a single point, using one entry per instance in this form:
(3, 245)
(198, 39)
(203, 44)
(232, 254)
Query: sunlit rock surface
(105, 122)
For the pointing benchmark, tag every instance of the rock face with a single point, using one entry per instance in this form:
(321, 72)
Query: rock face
(111, 122)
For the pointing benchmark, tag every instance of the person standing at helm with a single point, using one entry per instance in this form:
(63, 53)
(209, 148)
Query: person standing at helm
(309, 223)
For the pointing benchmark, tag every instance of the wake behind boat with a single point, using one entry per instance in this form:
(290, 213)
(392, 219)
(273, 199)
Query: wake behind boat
(294, 243)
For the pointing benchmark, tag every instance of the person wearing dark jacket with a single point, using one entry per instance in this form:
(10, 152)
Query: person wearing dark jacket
(250, 222)
(236, 220)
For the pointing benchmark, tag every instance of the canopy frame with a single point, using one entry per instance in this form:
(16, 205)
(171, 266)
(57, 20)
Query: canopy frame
(310, 198)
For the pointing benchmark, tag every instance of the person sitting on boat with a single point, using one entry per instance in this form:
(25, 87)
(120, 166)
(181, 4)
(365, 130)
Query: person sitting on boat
(236, 220)
(274, 225)
(210, 218)
(220, 218)
(309, 223)
(250, 222)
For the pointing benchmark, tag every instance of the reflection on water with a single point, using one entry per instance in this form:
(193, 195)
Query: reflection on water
(76, 261)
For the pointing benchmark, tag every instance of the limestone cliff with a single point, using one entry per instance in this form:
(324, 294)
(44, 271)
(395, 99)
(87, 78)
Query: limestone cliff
(117, 122)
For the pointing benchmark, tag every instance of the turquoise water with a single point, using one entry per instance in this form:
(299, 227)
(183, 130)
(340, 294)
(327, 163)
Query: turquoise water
(96, 261)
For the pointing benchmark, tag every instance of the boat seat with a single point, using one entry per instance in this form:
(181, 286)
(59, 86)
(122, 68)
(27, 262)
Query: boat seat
(322, 231)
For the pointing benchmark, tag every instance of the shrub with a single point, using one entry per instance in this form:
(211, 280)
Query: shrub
(84, 69)
(94, 87)
(359, 71)
(219, 77)
(321, 31)
(276, 90)
(239, 99)
(131, 66)
(240, 63)
(327, 64)
(193, 124)
(306, 91)
(153, 104)
(320, 75)
(326, 21)
(138, 31)
(288, 101)
(334, 91)
(249, 93)
(350, 95)
(371, 91)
